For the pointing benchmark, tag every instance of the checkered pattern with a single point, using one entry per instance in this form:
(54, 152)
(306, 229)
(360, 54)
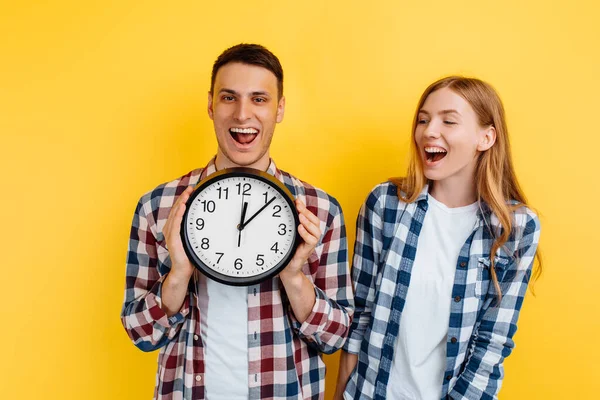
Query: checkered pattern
(284, 359)
(480, 330)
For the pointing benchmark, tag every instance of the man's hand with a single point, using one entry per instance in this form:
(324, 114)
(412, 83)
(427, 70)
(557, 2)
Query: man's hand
(310, 233)
(181, 267)
(299, 288)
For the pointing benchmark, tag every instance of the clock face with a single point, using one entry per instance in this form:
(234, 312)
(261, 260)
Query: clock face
(240, 226)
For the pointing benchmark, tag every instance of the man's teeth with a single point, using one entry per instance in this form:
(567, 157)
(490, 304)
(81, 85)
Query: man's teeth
(435, 150)
(245, 130)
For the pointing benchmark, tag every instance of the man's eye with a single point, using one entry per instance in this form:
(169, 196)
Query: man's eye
(228, 98)
(260, 100)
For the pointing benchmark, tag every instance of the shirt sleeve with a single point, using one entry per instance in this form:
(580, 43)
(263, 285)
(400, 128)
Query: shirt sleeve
(146, 323)
(483, 373)
(367, 250)
(327, 325)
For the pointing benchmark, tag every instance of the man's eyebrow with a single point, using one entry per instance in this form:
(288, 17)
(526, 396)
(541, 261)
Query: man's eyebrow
(230, 91)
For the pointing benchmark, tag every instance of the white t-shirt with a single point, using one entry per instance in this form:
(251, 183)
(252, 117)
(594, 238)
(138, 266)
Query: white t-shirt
(420, 350)
(224, 330)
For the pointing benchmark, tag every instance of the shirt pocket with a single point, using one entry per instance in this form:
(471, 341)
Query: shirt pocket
(484, 275)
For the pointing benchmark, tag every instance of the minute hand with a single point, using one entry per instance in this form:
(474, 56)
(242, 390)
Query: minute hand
(256, 213)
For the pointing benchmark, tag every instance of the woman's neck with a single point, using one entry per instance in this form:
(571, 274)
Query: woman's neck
(452, 193)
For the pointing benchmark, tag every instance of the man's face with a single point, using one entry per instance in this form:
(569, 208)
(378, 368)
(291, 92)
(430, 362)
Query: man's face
(244, 109)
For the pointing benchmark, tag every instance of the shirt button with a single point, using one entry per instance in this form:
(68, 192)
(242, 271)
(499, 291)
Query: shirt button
(463, 264)
(198, 378)
(195, 337)
(457, 299)
(453, 340)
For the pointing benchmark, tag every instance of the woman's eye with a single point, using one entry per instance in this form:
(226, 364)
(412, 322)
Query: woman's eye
(450, 122)
(421, 121)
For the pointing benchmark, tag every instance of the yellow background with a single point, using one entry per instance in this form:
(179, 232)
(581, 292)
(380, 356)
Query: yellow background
(102, 101)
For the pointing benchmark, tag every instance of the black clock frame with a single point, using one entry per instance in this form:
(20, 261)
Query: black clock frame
(244, 173)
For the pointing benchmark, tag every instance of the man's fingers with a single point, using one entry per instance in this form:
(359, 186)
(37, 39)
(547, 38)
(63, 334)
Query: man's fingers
(303, 210)
(311, 217)
(310, 228)
(177, 211)
(183, 198)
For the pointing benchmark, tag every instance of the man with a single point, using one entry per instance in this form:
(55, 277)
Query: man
(224, 342)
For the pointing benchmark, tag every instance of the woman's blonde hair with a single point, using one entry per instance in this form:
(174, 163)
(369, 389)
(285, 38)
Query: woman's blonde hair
(495, 177)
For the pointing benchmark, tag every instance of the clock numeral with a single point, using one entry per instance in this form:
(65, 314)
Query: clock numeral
(221, 191)
(199, 224)
(260, 260)
(208, 205)
(238, 264)
(266, 194)
(205, 244)
(281, 230)
(277, 209)
(244, 190)
(220, 256)
(275, 247)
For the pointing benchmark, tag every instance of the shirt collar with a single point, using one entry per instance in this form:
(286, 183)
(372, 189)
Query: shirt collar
(423, 196)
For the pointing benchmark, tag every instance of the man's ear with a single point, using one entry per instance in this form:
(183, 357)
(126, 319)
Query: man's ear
(210, 105)
(487, 139)
(280, 109)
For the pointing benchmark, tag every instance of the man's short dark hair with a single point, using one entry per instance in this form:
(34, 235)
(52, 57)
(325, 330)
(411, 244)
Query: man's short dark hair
(251, 54)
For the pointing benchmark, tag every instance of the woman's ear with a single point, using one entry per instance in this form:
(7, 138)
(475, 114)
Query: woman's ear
(487, 138)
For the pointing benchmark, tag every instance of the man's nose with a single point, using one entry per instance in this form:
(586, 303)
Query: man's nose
(242, 111)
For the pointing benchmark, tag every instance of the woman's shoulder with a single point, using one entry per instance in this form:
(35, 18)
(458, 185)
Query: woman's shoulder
(524, 216)
(384, 197)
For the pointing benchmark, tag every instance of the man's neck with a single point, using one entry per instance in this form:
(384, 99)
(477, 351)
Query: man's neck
(222, 162)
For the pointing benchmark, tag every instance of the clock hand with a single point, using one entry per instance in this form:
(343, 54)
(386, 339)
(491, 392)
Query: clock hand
(241, 225)
(256, 213)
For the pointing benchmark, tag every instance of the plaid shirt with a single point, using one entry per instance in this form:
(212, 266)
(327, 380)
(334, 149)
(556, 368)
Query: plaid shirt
(480, 331)
(284, 359)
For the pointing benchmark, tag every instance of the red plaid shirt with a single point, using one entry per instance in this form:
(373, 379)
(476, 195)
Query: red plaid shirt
(284, 359)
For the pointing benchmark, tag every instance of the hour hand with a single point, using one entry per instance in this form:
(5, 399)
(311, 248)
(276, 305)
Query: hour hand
(241, 224)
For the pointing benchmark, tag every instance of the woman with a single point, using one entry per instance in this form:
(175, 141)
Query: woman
(435, 311)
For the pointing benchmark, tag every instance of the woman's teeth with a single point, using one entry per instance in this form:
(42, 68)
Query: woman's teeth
(435, 153)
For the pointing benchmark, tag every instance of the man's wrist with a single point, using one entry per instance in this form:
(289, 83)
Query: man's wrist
(177, 278)
(292, 279)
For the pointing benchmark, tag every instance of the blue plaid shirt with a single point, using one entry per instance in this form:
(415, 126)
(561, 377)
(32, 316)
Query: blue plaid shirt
(480, 329)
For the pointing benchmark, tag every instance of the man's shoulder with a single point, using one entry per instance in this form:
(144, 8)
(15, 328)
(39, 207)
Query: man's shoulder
(164, 195)
(315, 197)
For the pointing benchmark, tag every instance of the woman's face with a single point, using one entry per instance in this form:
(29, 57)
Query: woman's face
(449, 138)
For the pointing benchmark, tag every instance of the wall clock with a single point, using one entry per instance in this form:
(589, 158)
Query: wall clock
(240, 226)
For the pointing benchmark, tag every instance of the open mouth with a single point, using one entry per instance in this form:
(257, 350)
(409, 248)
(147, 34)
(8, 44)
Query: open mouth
(243, 135)
(435, 154)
